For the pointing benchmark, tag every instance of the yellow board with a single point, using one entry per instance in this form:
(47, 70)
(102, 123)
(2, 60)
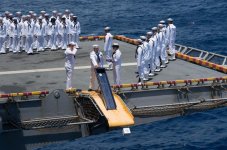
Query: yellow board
(116, 118)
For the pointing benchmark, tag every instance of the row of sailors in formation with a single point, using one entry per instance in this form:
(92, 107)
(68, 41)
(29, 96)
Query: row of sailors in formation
(151, 53)
(29, 32)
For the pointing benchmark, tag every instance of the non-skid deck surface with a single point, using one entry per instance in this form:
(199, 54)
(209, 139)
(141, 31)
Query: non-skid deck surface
(45, 71)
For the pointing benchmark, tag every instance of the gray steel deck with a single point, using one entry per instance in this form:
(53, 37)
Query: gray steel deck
(52, 74)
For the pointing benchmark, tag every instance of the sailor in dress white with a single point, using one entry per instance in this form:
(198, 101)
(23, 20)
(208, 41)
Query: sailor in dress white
(96, 58)
(116, 60)
(70, 53)
(108, 46)
(171, 37)
(2, 36)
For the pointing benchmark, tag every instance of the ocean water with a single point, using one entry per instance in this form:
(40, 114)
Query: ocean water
(200, 23)
(201, 130)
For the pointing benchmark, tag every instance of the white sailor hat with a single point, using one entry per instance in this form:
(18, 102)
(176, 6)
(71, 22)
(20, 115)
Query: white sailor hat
(14, 18)
(115, 44)
(23, 16)
(107, 28)
(40, 18)
(143, 38)
(54, 11)
(67, 11)
(11, 15)
(170, 19)
(71, 14)
(139, 40)
(95, 46)
(154, 28)
(7, 12)
(18, 13)
(31, 12)
(28, 16)
(1, 18)
(46, 15)
(42, 12)
(74, 17)
(72, 43)
(162, 22)
(149, 33)
(160, 25)
(35, 15)
(59, 14)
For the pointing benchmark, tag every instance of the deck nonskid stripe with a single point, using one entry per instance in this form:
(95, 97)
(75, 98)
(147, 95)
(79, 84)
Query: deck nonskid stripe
(53, 69)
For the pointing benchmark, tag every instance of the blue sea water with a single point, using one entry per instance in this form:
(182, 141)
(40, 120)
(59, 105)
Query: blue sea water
(201, 130)
(200, 23)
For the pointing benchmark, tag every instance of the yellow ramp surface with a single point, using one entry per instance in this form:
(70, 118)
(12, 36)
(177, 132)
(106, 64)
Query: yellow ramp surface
(116, 118)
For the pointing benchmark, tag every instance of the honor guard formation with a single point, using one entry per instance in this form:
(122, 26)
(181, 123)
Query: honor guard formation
(34, 32)
(37, 32)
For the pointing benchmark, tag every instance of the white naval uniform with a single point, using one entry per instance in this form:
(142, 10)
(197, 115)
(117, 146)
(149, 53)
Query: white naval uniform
(146, 59)
(63, 30)
(95, 62)
(74, 32)
(22, 26)
(39, 31)
(117, 67)
(53, 32)
(3, 39)
(108, 47)
(152, 50)
(34, 38)
(29, 37)
(171, 37)
(7, 24)
(14, 33)
(159, 48)
(163, 47)
(47, 35)
(139, 59)
(69, 65)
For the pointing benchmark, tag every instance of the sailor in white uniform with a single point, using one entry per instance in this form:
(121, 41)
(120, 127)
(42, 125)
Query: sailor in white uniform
(162, 42)
(22, 27)
(2, 36)
(63, 30)
(157, 51)
(164, 49)
(29, 35)
(171, 37)
(70, 54)
(108, 46)
(147, 55)
(39, 33)
(34, 38)
(46, 34)
(139, 59)
(116, 60)
(53, 31)
(75, 31)
(151, 48)
(14, 30)
(96, 58)
(7, 23)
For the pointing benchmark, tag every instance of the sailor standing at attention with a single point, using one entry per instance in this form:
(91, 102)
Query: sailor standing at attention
(2, 36)
(107, 46)
(116, 60)
(96, 58)
(139, 58)
(14, 29)
(171, 37)
(63, 31)
(29, 36)
(39, 33)
(70, 53)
